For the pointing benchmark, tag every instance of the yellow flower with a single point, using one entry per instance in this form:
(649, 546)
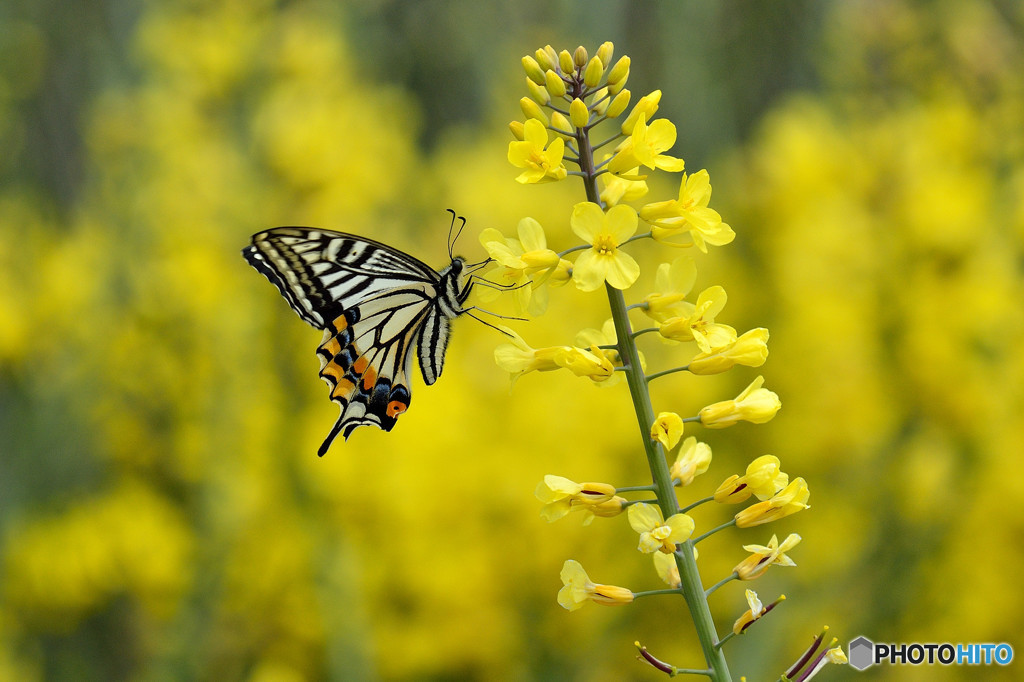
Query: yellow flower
(673, 282)
(517, 358)
(668, 571)
(561, 496)
(693, 459)
(593, 364)
(754, 404)
(756, 610)
(604, 232)
(751, 350)
(656, 532)
(667, 429)
(755, 565)
(578, 589)
(628, 186)
(764, 477)
(697, 323)
(645, 147)
(690, 215)
(526, 263)
(792, 499)
(543, 162)
(605, 336)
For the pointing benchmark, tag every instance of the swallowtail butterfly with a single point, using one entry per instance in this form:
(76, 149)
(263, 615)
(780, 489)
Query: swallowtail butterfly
(377, 307)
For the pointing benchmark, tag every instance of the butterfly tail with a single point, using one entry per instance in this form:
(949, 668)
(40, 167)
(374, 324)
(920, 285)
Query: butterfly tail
(365, 397)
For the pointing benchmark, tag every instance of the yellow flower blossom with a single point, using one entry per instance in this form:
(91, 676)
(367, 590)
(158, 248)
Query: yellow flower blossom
(604, 261)
(693, 459)
(750, 350)
(666, 568)
(754, 404)
(697, 323)
(755, 611)
(542, 161)
(646, 146)
(627, 186)
(526, 263)
(518, 358)
(578, 589)
(673, 282)
(603, 337)
(561, 496)
(667, 429)
(658, 534)
(594, 364)
(762, 557)
(792, 499)
(688, 215)
(764, 477)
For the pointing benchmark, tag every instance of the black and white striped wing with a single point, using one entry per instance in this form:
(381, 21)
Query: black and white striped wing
(322, 273)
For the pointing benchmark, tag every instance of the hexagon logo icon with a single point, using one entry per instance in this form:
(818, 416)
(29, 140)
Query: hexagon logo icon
(861, 653)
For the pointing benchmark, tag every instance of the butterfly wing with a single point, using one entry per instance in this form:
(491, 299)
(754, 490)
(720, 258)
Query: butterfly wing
(374, 304)
(322, 273)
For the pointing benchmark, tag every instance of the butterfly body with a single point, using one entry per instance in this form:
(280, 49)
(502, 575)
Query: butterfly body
(377, 307)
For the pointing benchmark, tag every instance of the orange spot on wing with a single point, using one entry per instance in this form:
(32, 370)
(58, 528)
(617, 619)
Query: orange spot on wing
(332, 370)
(343, 389)
(396, 407)
(370, 378)
(360, 364)
(332, 346)
(340, 323)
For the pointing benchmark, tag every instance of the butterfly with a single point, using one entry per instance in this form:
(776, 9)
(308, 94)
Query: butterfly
(377, 307)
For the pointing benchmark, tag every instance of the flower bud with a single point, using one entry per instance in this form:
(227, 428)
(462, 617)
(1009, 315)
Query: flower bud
(618, 104)
(647, 106)
(601, 101)
(554, 83)
(518, 130)
(545, 60)
(560, 122)
(532, 110)
(605, 52)
(578, 113)
(620, 71)
(538, 93)
(593, 73)
(579, 57)
(533, 70)
(565, 62)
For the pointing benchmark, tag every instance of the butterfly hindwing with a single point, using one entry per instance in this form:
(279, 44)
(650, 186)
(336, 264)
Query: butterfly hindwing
(376, 306)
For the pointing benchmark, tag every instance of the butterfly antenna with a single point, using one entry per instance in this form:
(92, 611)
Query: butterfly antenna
(491, 325)
(473, 267)
(451, 228)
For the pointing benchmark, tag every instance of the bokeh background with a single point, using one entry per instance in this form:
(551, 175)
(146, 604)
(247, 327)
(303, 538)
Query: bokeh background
(164, 516)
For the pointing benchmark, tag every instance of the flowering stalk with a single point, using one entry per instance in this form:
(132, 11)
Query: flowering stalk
(579, 93)
(691, 586)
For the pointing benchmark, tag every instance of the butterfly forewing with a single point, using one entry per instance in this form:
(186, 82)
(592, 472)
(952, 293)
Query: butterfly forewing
(375, 305)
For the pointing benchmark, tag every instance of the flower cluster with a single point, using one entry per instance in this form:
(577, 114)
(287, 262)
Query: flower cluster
(572, 95)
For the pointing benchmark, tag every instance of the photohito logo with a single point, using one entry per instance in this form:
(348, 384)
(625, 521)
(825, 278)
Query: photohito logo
(864, 653)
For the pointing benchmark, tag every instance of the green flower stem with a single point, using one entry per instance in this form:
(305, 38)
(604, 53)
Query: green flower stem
(727, 524)
(691, 587)
(651, 593)
(688, 507)
(634, 489)
(723, 581)
(652, 377)
(725, 639)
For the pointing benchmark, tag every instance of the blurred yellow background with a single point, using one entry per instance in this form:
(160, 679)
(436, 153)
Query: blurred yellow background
(164, 515)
